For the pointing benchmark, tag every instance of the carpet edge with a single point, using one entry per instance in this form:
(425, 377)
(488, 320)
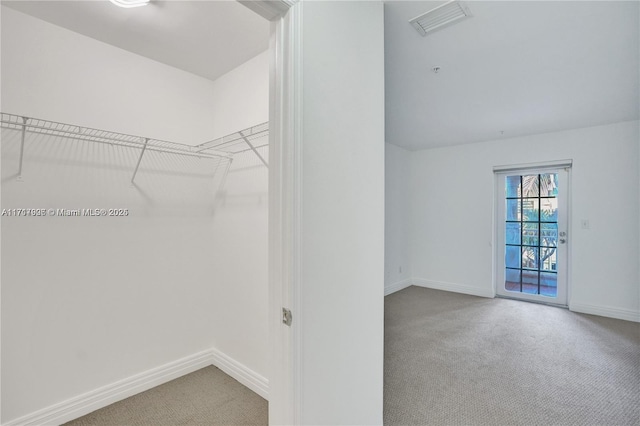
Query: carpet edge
(455, 288)
(88, 402)
(605, 311)
(397, 286)
(243, 374)
(101, 397)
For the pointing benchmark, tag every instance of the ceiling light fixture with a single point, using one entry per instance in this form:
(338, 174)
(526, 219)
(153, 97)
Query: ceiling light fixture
(130, 3)
(440, 17)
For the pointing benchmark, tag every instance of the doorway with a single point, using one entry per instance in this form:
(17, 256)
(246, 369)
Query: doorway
(532, 234)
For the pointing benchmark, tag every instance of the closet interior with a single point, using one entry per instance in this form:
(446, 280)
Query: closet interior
(134, 200)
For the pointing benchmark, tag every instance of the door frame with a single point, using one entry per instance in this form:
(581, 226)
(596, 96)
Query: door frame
(285, 139)
(499, 172)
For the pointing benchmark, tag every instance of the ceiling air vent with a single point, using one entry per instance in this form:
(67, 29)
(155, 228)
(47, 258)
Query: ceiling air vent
(440, 17)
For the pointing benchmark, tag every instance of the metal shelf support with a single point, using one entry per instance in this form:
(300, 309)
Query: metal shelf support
(24, 131)
(135, 172)
(254, 149)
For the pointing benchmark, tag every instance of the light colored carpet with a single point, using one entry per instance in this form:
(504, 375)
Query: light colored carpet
(204, 397)
(453, 359)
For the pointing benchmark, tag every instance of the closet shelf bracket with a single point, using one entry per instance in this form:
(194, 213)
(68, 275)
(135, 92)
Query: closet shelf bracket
(253, 149)
(249, 139)
(25, 120)
(135, 172)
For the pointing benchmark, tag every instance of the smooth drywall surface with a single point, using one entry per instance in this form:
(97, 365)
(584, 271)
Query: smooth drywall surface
(397, 263)
(88, 301)
(240, 308)
(239, 261)
(452, 191)
(242, 96)
(342, 224)
(55, 74)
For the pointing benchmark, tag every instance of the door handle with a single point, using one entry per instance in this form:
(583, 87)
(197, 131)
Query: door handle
(563, 240)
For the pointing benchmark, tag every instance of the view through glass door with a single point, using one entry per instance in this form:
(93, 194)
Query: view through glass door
(532, 235)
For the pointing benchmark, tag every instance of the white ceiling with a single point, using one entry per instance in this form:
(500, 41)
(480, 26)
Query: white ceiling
(516, 67)
(206, 38)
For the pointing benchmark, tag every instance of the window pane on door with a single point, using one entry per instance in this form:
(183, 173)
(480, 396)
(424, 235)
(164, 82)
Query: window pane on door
(512, 257)
(549, 234)
(513, 186)
(549, 212)
(530, 257)
(513, 209)
(530, 210)
(513, 233)
(548, 284)
(531, 234)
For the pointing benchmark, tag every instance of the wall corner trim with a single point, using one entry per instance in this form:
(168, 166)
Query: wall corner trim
(456, 288)
(397, 286)
(254, 381)
(605, 311)
(88, 402)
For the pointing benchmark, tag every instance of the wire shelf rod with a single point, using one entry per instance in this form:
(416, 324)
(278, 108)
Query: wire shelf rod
(257, 131)
(249, 149)
(221, 149)
(52, 128)
(135, 145)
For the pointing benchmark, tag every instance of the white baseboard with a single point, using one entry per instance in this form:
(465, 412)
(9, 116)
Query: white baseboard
(88, 402)
(605, 311)
(397, 286)
(254, 381)
(456, 288)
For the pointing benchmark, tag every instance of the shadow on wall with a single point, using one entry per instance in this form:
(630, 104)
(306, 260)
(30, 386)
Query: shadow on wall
(246, 184)
(61, 172)
(87, 301)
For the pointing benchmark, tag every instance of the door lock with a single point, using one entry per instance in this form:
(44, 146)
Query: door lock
(562, 240)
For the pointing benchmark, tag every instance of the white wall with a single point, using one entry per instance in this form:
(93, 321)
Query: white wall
(89, 301)
(342, 224)
(59, 75)
(452, 192)
(240, 307)
(242, 97)
(397, 259)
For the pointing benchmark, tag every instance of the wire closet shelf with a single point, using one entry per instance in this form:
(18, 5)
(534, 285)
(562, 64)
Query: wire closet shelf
(222, 148)
(250, 139)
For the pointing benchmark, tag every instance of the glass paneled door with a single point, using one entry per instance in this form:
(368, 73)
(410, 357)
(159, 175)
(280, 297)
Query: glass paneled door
(532, 235)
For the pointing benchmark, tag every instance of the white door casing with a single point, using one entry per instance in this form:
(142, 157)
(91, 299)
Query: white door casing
(284, 204)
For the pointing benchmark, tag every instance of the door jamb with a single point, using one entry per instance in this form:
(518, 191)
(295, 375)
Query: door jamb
(285, 138)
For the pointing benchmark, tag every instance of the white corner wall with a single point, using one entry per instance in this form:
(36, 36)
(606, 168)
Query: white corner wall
(52, 73)
(241, 96)
(341, 310)
(452, 193)
(92, 307)
(397, 259)
(240, 228)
